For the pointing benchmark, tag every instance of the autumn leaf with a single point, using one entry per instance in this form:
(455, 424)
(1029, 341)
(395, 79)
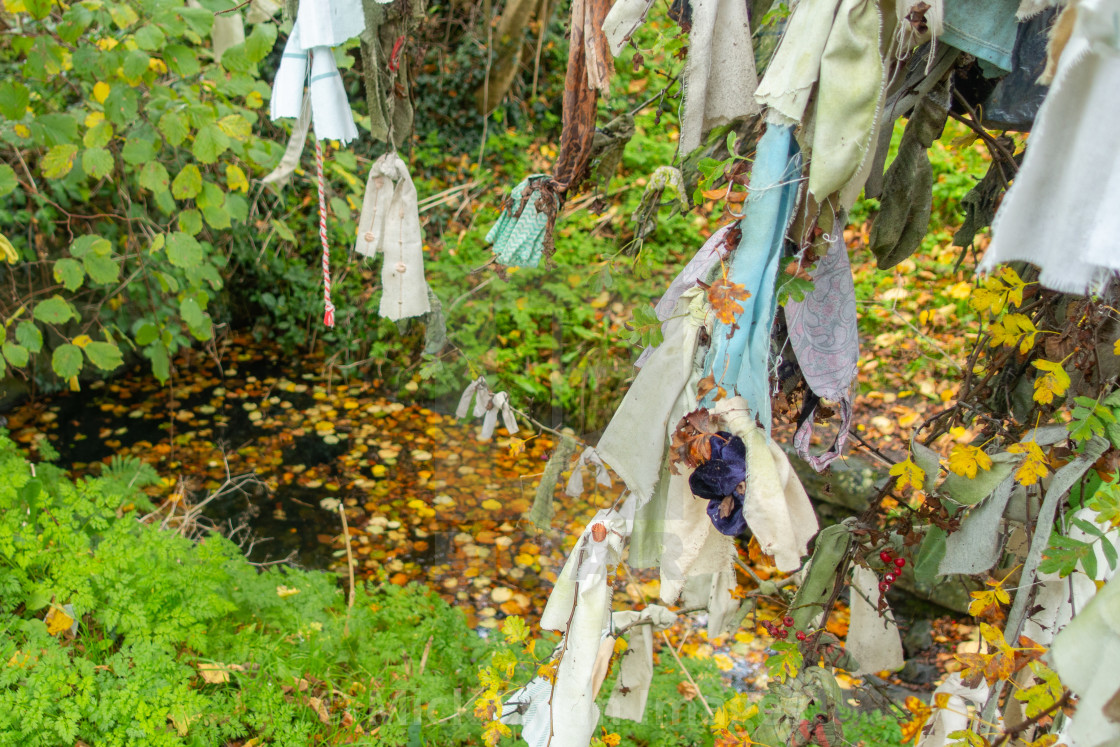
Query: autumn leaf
(217, 673)
(286, 591)
(691, 444)
(724, 297)
(1012, 330)
(487, 705)
(517, 445)
(920, 713)
(707, 384)
(988, 599)
(1053, 383)
(1034, 466)
(966, 461)
(58, 621)
(908, 474)
(494, 731)
(548, 671)
(514, 629)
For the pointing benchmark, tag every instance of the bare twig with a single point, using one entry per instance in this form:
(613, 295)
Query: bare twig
(350, 569)
(684, 670)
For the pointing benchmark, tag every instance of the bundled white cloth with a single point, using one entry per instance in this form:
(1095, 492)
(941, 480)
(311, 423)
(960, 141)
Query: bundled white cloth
(390, 222)
(1060, 213)
(954, 716)
(487, 406)
(319, 26)
(873, 639)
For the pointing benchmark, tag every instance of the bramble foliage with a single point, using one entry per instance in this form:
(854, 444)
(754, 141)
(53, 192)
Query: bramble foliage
(125, 155)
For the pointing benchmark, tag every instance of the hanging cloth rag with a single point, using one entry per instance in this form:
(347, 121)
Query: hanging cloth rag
(873, 638)
(385, 68)
(788, 83)
(579, 608)
(740, 353)
(691, 545)
(1060, 213)
(906, 203)
(715, 250)
(825, 340)
(623, 20)
(634, 442)
(953, 714)
(390, 221)
(775, 504)
(848, 99)
(631, 690)
(986, 30)
(719, 77)
(590, 459)
(519, 235)
(330, 109)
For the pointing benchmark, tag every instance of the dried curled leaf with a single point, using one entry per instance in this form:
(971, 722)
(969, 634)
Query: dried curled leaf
(724, 296)
(691, 444)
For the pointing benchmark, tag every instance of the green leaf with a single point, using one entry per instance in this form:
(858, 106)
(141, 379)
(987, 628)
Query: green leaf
(191, 312)
(145, 333)
(209, 143)
(149, 37)
(138, 150)
(190, 222)
(101, 269)
(14, 98)
(28, 335)
(260, 42)
(54, 129)
(188, 183)
(67, 360)
(236, 126)
(122, 107)
(135, 64)
(181, 60)
(54, 310)
(184, 251)
(8, 181)
(154, 177)
(87, 243)
(161, 361)
(283, 231)
(174, 127)
(98, 136)
(217, 217)
(58, 161)
(104, 355)
(123, 15)
(97, 162)
(17, 355)
(69, 272)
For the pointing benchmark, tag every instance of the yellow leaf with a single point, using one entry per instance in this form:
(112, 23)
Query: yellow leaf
(286, 591)
(236, 179)
(1034, 466)
(1053, 383)
(74, 385)
(548, 671)
(1116, 347)
(217, 673)
(908, 473)
(101, 91)
(494, 731)
(22, 131)
(82, 340)
(491, 505)
(966, 461)
(157, 66)
(58, 621)
(7, 250)
(1012, 330)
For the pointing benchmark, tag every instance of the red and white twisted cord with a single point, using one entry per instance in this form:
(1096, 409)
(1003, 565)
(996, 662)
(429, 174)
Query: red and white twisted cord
(328, 316)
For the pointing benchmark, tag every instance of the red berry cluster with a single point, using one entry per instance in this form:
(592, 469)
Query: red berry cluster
(778, 631)
(892, 575)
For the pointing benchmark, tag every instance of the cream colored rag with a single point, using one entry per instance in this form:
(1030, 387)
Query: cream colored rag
(776, 507)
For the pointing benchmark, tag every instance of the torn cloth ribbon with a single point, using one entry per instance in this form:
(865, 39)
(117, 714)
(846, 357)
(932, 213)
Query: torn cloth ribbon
(825, 340)
(579, 608)
(634, 442)
(590, 459)
(330, 109)
(719, 78)
(631, 690)
(519, 235)
(775, 504)
(624, 18)
(390, 222)
(873, 639)
(487, 406)
(740, 353)
(1060, 213)
(714, 251)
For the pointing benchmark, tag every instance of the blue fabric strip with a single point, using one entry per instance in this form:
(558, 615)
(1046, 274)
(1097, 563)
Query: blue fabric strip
(322, 76)
(739, 360)
(984, 28)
